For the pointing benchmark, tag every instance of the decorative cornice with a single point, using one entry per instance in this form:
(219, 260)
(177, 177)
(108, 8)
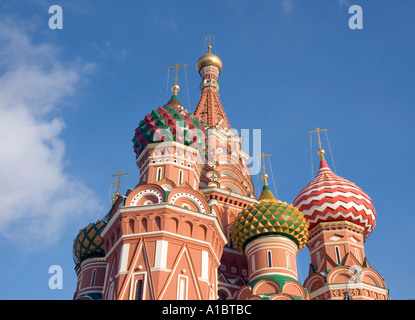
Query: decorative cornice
(349, 285)
(227, 193)
(335, 225)
(157, 207)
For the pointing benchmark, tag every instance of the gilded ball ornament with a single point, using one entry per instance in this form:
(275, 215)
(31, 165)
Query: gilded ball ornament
(175, 88)
(209, 59)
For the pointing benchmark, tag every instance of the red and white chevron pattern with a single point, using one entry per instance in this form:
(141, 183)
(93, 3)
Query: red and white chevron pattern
(329, 197)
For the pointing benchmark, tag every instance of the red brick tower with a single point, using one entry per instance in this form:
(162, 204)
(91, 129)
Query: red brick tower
(270, 233)
(225, 179)
(165, 241)
(88, 255)
(340, 217)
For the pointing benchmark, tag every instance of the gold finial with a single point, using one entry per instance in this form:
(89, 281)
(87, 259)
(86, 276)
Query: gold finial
(117, 184)
(266, 193)
(265, 178)
(175, 88)
(208, 37)
(209, 59)
(320, 150)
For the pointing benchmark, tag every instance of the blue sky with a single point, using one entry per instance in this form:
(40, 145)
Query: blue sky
(70, 100)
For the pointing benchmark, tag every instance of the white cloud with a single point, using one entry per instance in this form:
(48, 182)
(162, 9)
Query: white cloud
(287, 6)
(37, 196)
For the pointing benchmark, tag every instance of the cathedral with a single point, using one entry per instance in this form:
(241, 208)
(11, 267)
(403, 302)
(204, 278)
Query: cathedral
(193, 229)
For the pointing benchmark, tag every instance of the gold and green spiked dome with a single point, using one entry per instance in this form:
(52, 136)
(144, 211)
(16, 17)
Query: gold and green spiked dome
(89, 243)
(269, 216)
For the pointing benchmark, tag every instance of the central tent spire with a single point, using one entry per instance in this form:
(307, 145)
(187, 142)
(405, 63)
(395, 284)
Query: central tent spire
(209, 107)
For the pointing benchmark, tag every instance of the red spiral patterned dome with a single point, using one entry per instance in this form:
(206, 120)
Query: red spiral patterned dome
(329, 197)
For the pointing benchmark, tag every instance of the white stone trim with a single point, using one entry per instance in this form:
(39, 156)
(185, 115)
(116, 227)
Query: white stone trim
(124, 258)
(143, 193)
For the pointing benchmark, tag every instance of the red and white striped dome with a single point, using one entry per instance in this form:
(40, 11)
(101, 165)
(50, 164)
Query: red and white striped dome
(329, 197)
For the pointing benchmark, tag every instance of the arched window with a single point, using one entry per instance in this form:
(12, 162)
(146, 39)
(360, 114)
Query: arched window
(158, 223)
(131, 226)
(182, 288)
(287, 257)
(144, 224)
(180, 176)
(94, 272)
(336, 249)
(269, 259)
(139, 290)
(158, 174)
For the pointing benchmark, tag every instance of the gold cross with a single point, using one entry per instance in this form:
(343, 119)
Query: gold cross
(318, 130)
(209, 36)
(117, 183)
(263, 155)
(176, 66)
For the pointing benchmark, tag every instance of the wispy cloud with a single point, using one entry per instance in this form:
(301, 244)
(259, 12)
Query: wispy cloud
(287, 6)
(37, 195)
(235, 5)
(106, 50)
(163, 20)
(344, 2)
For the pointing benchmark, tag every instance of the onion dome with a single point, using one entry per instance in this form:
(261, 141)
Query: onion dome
(209, 59)
(88, 242)
(329, 197)
(269, 216)
(170, 123)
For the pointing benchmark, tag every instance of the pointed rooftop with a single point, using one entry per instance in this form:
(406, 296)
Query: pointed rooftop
(266, 193)
(209, 108)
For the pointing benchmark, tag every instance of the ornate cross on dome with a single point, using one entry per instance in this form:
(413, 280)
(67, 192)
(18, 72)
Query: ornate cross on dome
(320, 151)
(266, 192)
(208, 37)
(263, 155)
(175, 88)
(318, 130)
(117, 184)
